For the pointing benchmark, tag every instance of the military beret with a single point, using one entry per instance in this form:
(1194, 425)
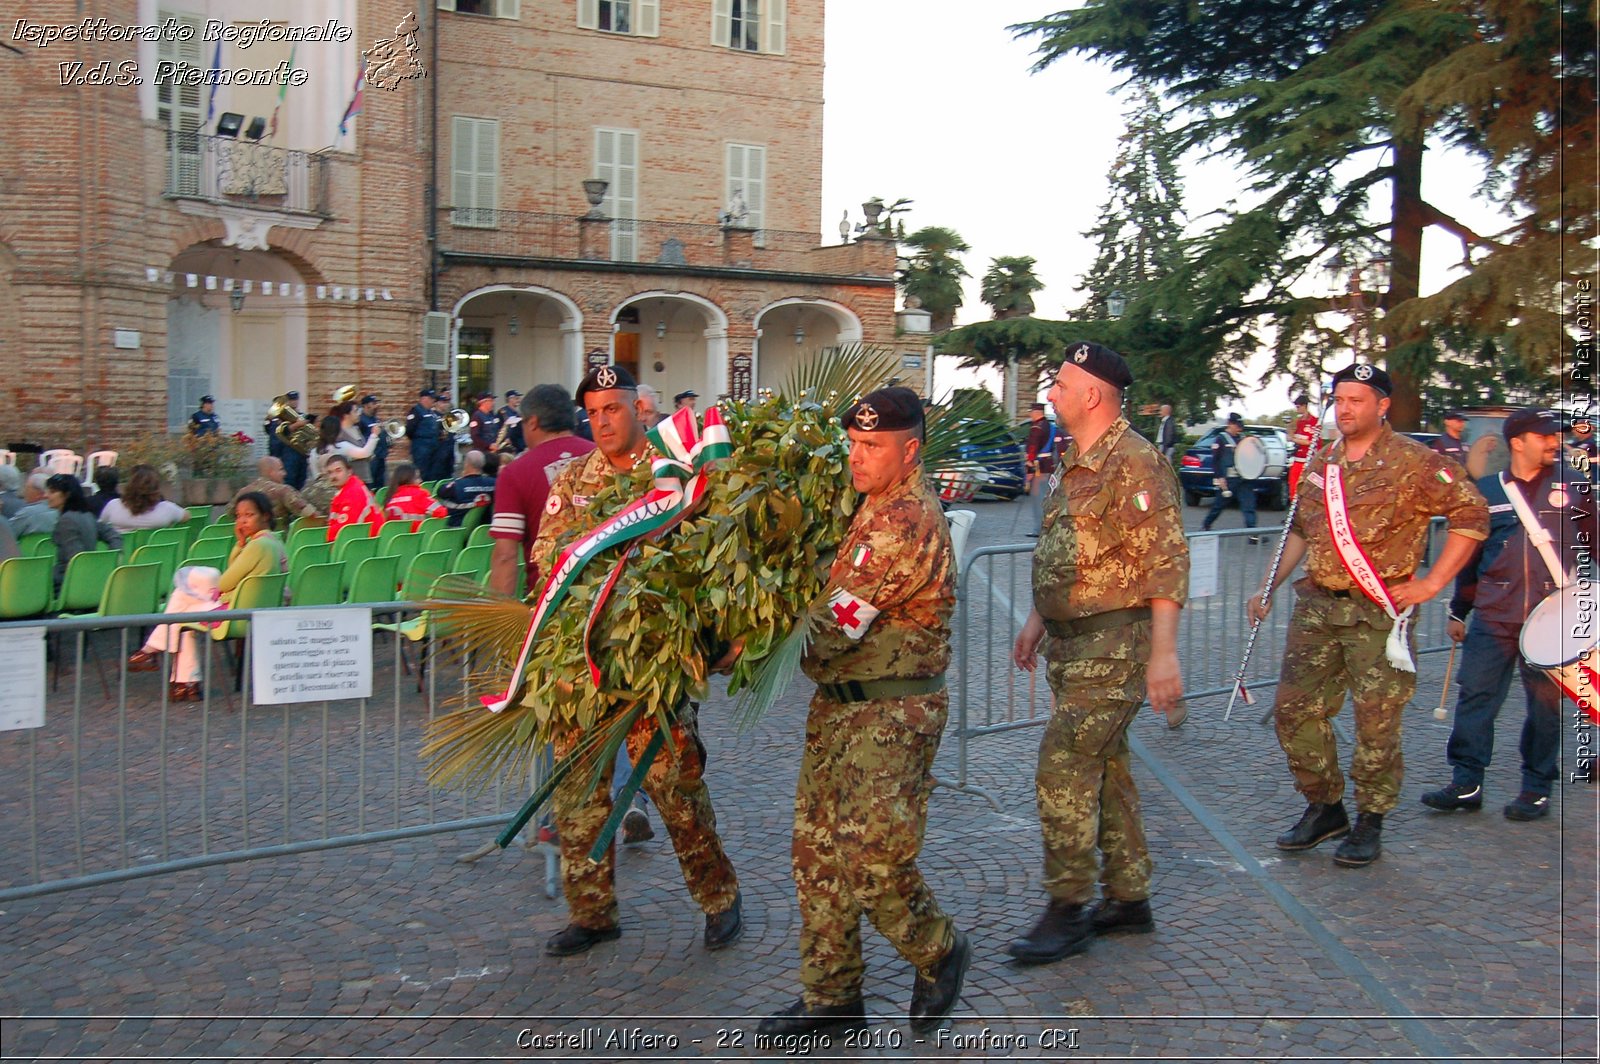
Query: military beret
(485, 395)
(1099, 361)
(681, 396)
(208, 399)
(885, 410)
(1582, 423)
(1371, 376)
(1544, 422)
(1236, 418)
(603, 379)
(365, 399)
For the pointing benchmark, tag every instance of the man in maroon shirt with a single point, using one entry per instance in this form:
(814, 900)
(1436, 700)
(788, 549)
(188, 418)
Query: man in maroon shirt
(548, 420)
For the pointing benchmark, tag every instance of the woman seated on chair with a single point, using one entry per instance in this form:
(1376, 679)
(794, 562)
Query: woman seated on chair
(408, 499)
(257, 551)
(352, 501)
(76, 529)
(141, 504)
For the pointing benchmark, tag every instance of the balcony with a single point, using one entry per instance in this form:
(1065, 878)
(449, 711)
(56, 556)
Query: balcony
(646, 245)
(245, 173)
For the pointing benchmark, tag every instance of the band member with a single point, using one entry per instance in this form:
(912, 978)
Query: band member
(511, 416)
(1304, 434)
(204, 422)
(380, 453)
(1041, 448)
(295, 443)
(1225, 475)
(1360, 529)
(1450, 444)
(1108, 633)
(425, 430)
(1542, 531)
(685, 399)
(485, 424)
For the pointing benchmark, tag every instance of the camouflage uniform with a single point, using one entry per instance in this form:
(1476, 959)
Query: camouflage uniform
(1112, 540)
(1337, 635)
(862, 801)
(674, 781)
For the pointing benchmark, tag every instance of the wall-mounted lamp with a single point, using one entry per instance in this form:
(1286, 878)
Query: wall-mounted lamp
(236, 299)
(1116, 303)
(513, 323)
(799, 334)
(661, 330)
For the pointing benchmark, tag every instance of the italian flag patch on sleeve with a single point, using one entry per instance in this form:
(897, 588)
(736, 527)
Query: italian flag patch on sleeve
(1444, 477)
(859, 556)
(1141, 501)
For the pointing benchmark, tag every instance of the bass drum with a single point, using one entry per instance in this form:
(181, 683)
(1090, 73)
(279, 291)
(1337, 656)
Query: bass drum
(1487, 456)
(1561, 637)
(1250, 458)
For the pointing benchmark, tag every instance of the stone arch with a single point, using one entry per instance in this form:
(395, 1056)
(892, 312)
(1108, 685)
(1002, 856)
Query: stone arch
(786, 328)
(535, 334)
(685, 333)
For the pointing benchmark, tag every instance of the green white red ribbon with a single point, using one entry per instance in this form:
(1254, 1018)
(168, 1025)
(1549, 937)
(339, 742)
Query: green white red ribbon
(686, 450)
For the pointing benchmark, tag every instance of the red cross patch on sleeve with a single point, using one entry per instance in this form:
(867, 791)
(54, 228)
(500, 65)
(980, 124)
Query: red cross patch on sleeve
(854, 615)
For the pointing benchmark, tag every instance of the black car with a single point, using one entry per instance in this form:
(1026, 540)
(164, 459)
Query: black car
(1272, 488)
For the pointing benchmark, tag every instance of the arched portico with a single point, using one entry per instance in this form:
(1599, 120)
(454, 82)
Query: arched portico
(673, 341)
(515, 336)
(787, 329)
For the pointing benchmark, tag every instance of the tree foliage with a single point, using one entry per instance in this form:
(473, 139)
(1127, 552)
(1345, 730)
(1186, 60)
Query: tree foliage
(1009, 285)
(1327, 105)
(935, 272)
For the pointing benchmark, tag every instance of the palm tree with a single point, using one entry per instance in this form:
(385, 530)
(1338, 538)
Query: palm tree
(1009, 285)
(934, 273)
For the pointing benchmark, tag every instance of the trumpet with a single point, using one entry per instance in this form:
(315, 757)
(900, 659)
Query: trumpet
(457, 421)
(395, 429)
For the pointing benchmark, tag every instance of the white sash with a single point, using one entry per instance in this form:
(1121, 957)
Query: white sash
(1359, 566)
(1536, 533)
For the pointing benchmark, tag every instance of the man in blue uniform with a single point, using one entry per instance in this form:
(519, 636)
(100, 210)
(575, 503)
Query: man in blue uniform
(425, 431)
(369, 418)
(294, 461)
(204, 422)
(1225, 471)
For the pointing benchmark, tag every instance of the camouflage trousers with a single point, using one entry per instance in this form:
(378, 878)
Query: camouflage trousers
(860, 810)
(1087, 798)
(1337, 645)
(675, 784)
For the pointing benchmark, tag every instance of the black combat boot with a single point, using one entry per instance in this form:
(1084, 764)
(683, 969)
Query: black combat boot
(1111, 917)
(801, 1018)
(1063, 930)
(1364, 842)
(575, 938)
(932, 999)
(1318, 823)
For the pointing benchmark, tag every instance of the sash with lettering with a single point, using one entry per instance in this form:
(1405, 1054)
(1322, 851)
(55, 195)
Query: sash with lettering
(680, 483)
(1355, 561)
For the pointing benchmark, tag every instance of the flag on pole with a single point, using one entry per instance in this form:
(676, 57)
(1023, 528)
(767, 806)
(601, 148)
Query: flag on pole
(283, 90)
(354, 107)
(216, 64)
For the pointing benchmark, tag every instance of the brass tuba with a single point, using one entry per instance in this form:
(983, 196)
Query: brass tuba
(304, 438)
(505, 432)
(457, 421)
(395, 429)
(344, 394)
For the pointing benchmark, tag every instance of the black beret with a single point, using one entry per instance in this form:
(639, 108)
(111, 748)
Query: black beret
(513, 394)
(427, 393)
(1454, 415)
(681, 396)
(1371, 376)
(1544, 422)
(603, 379)
(885, 410)
(1101, 362)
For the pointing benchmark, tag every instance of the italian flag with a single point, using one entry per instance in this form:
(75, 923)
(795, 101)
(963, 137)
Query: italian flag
(860, 556)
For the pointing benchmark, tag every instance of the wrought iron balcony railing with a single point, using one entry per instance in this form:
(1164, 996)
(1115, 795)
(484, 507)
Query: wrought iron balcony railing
(247, 173)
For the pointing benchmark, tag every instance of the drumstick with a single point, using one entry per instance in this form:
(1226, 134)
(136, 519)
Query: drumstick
(1440, 713)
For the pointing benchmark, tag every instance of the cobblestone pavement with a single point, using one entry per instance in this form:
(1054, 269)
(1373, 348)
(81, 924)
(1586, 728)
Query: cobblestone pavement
(1472, 938)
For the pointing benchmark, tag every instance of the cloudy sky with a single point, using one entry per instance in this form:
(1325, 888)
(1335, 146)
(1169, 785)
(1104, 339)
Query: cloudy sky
(932, 100)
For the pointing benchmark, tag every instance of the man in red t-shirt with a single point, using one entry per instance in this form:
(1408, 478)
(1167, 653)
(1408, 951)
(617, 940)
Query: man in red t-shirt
(1304, 433)
(548, 420)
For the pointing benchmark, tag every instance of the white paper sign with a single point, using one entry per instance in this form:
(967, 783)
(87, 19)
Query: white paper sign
(311, 655)
(22, 695)
(1203, 566)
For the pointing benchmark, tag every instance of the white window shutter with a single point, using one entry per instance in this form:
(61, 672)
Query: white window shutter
(508, 8)
(755, 186)
(721, 21)
(436, 340)
(487, 167)
(647, 23)
(588, 14)
(462, 152)
(774, 28)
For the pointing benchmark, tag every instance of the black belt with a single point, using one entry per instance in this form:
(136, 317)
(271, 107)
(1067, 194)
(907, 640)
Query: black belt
(1097, 622)
(866, 690)
(1356, 592)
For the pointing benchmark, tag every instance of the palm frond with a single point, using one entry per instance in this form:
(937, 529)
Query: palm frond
(836, 376)
(957, 438)
(472, 621)
(774, 675)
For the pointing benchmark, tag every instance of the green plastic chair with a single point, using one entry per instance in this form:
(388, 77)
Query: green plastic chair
(317, 585)
(210, 532)
(382, 495)
(301, 523)
(37, 545)
(164, 555)
(477, 517)
(431, 524)
(212, 552)
(85, 581)
(355, 551)
(260, 592)
(133, 539)
(424, 569)
(132, 590)
(388, 533)
(446, 538)
(310, 554)
(374, 580)
(200, 513)
(175, 535)
(405, 548)
(24, 587)
(300, 537)
(475, 560)
(356, 530)
(478, 536)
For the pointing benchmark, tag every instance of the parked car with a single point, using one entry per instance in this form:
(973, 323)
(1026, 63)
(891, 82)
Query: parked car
(1272, 489)
(995, 472)
(1424, 438)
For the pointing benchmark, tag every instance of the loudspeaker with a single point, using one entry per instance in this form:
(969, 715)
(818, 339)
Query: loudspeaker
(258, 126)
(228, 125)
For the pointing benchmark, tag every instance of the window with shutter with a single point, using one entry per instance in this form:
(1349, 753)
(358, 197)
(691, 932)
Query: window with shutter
(474, 171)
(748, 25)
(616, 161)
(639, 18)
(490, 8)
(746, 192)
(178, 107)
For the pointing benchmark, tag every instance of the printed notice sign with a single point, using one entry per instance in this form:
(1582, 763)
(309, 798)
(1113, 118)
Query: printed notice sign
(22, 695)
(1203, 560)
(311, 655)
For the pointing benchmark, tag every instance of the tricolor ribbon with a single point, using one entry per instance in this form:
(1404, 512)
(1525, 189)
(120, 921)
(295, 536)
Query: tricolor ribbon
(1359, 565)
(686, 450)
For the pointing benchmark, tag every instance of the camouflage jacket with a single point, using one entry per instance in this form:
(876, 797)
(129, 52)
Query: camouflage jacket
(1112, 536)
(566, 510)
(893, 586)
(1392, 493)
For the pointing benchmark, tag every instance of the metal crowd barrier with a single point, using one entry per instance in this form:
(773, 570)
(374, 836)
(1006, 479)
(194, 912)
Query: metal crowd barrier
(120, 782)
(995, 596)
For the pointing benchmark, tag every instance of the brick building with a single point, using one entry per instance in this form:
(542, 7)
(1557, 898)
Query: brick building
(206, 204)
